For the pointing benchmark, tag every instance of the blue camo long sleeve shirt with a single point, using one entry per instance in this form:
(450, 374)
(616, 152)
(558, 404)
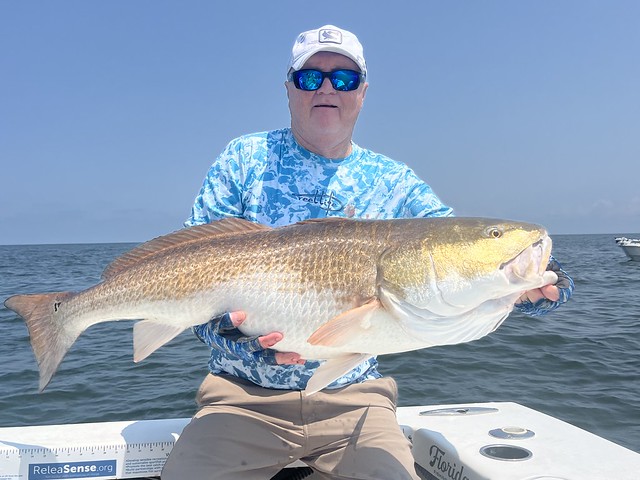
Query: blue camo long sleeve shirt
(270, 179)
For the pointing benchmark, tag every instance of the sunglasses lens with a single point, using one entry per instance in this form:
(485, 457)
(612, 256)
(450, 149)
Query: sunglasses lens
(345, 80)
(308, 79)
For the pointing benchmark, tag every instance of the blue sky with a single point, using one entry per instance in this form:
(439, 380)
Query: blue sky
(112, 111)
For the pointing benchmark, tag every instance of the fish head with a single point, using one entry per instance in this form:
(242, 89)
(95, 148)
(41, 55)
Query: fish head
(457, 264)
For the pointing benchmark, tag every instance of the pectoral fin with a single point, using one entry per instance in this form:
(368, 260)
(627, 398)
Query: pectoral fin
(148, 336)
(339, 330)
(333, 369)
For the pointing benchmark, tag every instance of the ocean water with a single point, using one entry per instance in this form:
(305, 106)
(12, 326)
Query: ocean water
(580, 363)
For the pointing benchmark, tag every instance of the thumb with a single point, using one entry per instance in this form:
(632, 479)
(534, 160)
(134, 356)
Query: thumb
(237, 317)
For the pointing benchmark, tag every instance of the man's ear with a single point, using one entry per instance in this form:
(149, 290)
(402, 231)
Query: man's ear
(364, 93)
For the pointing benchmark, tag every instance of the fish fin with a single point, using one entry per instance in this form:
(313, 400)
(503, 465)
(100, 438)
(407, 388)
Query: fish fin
(148, 336)
(49, 334)
(326, 220)
(181, 238)
(333, 369)
(341, 328)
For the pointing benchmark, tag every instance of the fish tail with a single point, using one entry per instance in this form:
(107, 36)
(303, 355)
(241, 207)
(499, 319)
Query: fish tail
(49, 334)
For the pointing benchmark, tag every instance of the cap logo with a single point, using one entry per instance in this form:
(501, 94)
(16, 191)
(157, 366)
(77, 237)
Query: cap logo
(329, 36)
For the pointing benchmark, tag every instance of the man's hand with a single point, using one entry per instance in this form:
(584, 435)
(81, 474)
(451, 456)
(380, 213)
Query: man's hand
(551, 292)
(265, 341)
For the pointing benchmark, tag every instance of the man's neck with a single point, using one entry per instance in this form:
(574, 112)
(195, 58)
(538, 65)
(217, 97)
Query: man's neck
(328, 147)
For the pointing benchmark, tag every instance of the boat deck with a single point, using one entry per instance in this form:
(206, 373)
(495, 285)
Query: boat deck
(500, 441)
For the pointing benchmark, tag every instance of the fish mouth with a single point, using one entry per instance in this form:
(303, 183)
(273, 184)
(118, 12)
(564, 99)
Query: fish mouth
(531, 263)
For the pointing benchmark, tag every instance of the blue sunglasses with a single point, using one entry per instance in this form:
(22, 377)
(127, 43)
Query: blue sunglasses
(341, 80)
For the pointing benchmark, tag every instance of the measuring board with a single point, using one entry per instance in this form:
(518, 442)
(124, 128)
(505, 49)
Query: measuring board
(87, 451)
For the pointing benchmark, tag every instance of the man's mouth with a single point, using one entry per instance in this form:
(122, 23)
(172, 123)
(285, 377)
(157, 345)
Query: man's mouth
(326, 106)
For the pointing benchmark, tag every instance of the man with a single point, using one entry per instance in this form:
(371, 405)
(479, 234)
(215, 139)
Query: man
(254, 418)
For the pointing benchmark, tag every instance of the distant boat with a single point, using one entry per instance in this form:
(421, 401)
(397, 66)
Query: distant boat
(631, 247)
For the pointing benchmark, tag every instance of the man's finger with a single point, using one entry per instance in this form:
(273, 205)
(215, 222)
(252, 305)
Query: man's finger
(531, 295)
(288, 358)
(551, 292)
(268, 341)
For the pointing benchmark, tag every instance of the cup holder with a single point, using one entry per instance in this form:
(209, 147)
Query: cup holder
(511, 433)
(509, 453)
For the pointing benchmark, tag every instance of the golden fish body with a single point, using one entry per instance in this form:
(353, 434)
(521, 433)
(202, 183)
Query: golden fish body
(337, 289)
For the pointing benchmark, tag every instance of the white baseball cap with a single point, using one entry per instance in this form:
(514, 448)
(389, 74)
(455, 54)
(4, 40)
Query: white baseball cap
(326, 39)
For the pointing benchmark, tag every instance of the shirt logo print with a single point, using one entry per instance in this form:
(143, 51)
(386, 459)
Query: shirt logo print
(325, 200)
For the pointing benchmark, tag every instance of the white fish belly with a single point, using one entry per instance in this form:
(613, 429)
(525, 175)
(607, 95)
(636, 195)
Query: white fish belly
(298, 316)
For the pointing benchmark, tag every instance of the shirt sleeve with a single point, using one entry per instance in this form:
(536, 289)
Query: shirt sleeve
(221, 194)
(421, 201)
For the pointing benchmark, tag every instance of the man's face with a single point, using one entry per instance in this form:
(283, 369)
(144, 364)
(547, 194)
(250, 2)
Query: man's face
(325, 112)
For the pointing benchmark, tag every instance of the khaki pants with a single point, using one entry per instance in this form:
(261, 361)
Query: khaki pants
(246, 432)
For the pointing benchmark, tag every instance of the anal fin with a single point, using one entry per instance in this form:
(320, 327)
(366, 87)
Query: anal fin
(149, 335)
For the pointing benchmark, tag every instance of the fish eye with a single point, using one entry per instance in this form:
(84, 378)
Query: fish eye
(494, 232)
